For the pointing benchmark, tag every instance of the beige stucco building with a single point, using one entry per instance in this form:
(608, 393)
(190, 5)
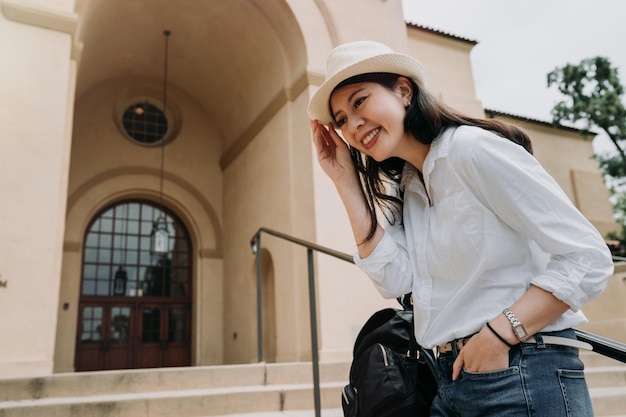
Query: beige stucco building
(90, 163)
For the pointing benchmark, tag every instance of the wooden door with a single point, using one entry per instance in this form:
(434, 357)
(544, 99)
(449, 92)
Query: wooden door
(135, 305)
(136, 335)
(164, 339)
(104, 339)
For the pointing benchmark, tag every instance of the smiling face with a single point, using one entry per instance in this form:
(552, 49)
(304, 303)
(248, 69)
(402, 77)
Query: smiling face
(371, 117)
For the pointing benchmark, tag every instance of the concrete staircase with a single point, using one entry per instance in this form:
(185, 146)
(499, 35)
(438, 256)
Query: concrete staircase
(173, 392)
(607, 384)
(269, 390)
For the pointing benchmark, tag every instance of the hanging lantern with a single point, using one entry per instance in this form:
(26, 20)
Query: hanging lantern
(160, 237)
(119, 282)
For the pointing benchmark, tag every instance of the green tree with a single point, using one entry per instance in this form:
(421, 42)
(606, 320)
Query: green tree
(593, 101)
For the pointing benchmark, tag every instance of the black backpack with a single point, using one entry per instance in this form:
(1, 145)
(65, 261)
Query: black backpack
(390, 375)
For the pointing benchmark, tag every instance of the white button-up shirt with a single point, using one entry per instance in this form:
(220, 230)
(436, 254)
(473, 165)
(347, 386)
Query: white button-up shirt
(487, 222)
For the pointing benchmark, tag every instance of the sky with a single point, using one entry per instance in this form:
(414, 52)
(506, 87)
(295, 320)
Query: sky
(520, 42)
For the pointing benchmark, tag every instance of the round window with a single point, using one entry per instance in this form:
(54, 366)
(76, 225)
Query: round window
(145, 123)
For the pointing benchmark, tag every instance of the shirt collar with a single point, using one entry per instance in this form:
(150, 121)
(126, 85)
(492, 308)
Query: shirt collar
(438, 149)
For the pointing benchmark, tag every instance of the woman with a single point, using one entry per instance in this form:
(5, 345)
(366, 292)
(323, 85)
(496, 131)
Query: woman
(497, 258)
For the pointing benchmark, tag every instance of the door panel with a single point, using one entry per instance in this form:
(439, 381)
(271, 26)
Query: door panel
(149, 346)
(106, 341)
(120, 350)
(89, 338)
(178, 329)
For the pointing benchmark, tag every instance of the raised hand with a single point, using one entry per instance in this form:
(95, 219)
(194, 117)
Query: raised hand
(333, 154)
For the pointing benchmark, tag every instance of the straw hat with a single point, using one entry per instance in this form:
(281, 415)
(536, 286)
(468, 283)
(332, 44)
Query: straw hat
(361, 57)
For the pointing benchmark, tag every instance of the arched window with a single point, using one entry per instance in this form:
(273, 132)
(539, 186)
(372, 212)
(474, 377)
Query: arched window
(120, 258)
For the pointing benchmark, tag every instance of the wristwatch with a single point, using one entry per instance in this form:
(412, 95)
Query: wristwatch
(518, 328)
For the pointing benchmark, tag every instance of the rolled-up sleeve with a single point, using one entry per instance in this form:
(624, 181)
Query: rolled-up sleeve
(388, 266)
(525, 197)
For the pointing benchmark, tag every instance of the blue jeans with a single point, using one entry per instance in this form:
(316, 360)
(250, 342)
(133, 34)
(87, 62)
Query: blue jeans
(541, 381)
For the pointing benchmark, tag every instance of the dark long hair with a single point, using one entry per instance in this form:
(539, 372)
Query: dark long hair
(425, 118)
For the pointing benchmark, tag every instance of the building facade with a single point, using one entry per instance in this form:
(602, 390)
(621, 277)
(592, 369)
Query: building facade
(136, 166)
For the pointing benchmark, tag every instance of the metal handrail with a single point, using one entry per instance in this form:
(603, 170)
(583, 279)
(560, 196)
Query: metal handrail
(301, 242)
(255, 244)
(601, 345)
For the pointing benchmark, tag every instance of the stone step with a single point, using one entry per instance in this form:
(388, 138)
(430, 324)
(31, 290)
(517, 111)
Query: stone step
(328, 412)
(161, 379)
(606, 376)
(593, 359)
(608, 401)
(184, 403)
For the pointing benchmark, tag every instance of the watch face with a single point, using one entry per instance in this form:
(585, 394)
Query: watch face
(521, 333)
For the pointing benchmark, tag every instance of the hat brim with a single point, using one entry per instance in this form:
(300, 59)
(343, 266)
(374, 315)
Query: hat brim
(394, 63)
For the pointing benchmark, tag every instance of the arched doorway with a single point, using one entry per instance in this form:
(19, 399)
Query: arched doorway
(135, 299)
(229, 164)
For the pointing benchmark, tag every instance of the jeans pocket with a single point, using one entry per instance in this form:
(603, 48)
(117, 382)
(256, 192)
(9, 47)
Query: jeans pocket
(494, 393)
(575, 393)
(499, 373)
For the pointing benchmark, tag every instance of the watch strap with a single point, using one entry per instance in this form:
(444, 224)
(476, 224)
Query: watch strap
(518, 327)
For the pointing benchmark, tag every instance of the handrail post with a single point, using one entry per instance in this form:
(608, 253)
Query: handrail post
(259, 295)
(314, 344)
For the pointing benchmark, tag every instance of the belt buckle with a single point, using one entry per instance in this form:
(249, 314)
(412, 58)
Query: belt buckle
(449, 347)
(445, 348)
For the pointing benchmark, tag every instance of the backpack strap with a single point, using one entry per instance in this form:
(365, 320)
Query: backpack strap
(406, 301)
